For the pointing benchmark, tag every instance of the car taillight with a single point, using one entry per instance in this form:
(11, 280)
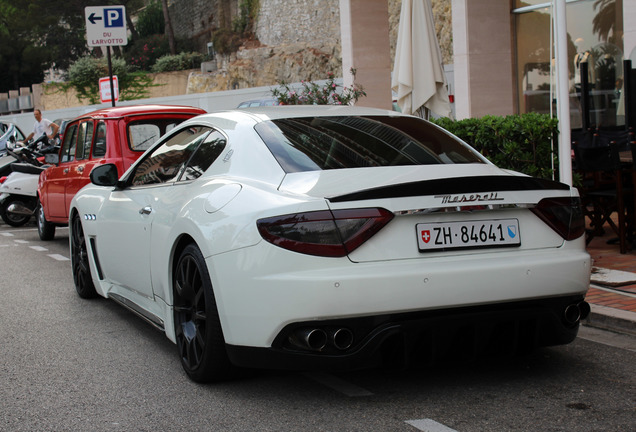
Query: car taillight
(324, 233)
(563, 215)
(2, 179)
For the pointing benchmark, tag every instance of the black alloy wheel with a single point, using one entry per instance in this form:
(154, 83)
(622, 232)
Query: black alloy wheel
(196, 320)
(15, 220)
(79, 261)
(46, 230)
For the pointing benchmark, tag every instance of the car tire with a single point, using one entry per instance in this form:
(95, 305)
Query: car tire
(79, 261)
(46, 230)
(10, 218)
(199, 336)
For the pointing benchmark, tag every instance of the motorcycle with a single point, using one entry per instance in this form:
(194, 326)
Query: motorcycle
(18, 192)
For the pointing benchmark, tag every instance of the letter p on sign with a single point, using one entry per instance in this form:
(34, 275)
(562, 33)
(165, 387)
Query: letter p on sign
(113, 18)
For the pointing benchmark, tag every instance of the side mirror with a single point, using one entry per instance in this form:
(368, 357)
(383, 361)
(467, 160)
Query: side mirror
(104, 175)
(52, 158)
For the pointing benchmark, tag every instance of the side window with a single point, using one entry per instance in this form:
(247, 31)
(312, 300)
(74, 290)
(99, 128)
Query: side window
(68, 147)
(84, 140)
(203, 157)
(99, 149)
(166, 162)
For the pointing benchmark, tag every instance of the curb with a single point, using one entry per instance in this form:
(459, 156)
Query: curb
(616, 320)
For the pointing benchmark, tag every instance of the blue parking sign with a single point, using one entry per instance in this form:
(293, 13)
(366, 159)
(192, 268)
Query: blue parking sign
(113, 17)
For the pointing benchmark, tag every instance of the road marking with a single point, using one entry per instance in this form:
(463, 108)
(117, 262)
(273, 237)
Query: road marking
(22, 241)
(608, 338)
(338, 384)
(39, 248)
(7, 234)
(428, 425)
(59, 257)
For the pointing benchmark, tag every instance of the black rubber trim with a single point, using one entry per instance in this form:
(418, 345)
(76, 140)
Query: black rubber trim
(450, 186)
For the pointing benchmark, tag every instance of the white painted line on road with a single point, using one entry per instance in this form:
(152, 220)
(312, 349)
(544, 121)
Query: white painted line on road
(609, 338)
(15, 230)
(338, 384)
(7, 234)
(39, 248)
(428, 425)
(22, 241)
(59, 257)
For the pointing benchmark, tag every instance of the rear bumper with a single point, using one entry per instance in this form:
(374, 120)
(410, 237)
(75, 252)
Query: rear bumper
(423, 337)
(263, 289)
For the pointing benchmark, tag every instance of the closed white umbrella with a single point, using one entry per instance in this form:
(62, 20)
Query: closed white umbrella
(418, 75)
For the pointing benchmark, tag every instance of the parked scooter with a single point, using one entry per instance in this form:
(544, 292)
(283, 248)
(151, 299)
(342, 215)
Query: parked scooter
(18, 192)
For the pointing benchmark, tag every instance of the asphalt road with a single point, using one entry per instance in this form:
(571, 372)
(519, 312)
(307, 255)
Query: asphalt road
(68, 364)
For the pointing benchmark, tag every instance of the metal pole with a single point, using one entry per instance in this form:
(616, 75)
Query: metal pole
(563, 96)
(110, 76)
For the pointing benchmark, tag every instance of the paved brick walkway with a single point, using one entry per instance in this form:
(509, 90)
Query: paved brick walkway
(608, 256)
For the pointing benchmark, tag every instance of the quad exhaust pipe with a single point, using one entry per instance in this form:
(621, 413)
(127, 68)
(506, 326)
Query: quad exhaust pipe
(317, 339)
(576, 312)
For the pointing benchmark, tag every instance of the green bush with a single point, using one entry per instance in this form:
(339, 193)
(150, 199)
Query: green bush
(143, 53)
(182, 61)
(519, 142)
(84, 75)
(243, 24)
(151, 21)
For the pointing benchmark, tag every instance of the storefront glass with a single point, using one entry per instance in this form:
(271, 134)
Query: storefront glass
(595, 36)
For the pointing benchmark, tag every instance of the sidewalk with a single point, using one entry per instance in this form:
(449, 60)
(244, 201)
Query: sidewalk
(612, 294)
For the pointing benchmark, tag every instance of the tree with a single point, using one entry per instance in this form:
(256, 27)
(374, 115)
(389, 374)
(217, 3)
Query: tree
(604, 22)
(23, 61)
(38, 34)
(168, 27)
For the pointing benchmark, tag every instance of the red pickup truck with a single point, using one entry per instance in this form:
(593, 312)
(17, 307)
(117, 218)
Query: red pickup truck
(112, 135)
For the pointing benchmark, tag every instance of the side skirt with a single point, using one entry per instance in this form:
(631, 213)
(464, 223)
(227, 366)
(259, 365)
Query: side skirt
(147, 316)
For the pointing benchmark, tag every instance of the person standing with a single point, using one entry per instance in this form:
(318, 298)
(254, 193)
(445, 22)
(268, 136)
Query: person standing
(42, 126)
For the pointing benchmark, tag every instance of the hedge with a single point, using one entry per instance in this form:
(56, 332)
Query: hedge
(522, 143)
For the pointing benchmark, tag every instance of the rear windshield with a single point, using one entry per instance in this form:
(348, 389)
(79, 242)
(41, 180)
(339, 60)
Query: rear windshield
(321, 143)
(142, 134)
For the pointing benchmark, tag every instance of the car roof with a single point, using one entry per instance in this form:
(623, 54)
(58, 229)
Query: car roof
(131, 110)
(264, 113)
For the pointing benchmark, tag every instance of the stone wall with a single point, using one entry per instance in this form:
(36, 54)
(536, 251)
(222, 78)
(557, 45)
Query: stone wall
(312, 22)
(197, 19)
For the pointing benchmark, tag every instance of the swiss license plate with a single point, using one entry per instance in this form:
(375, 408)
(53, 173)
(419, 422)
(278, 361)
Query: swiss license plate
(468, 234)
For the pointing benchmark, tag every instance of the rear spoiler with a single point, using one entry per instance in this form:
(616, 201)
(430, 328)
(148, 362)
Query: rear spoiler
(451, 186)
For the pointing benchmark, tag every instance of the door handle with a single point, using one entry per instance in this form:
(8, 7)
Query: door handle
(145, 211)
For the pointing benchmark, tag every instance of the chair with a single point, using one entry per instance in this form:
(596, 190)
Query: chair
(605, 190)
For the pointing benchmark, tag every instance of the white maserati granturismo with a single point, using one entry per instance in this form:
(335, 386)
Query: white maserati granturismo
(330, 237)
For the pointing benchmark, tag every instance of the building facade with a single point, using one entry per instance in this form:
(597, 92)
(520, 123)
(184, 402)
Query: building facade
(503, 56)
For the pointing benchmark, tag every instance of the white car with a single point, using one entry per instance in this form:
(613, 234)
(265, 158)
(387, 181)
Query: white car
(330, 237)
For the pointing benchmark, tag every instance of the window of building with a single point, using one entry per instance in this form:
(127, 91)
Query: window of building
(595, 36)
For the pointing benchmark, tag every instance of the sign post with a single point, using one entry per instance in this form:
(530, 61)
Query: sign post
(106, 26)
